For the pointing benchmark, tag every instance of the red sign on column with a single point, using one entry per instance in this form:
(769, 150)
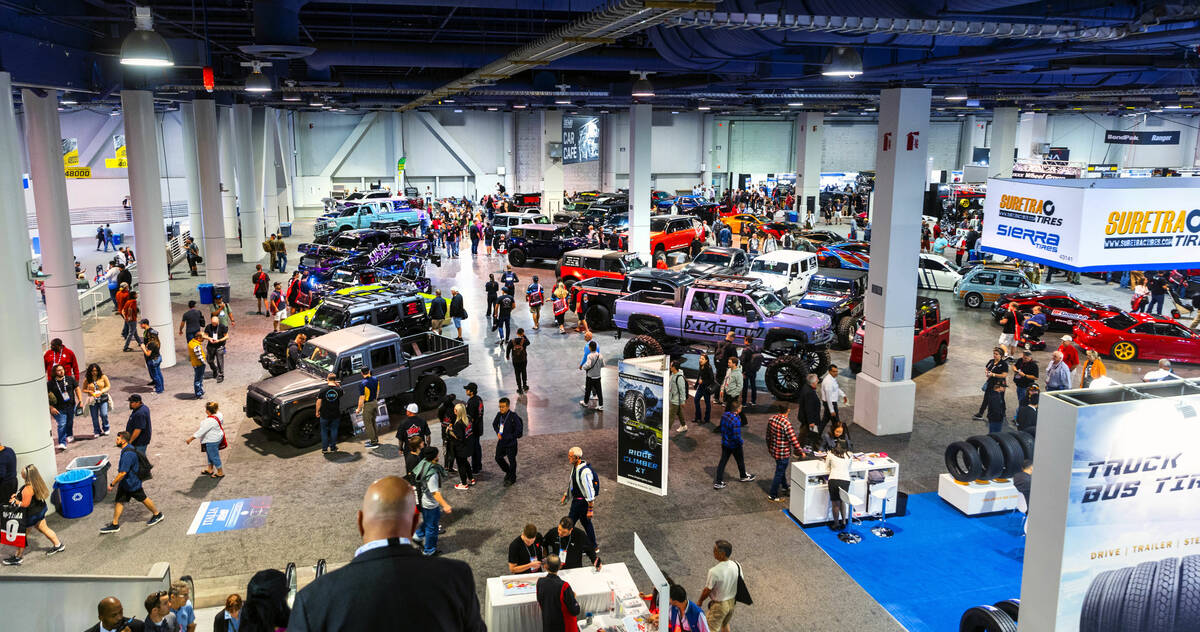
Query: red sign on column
(887, 141)
(913, 140)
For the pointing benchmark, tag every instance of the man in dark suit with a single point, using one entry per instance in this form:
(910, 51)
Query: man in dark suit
(556, 599)
(434, 594)
(112, 617)
(808, 414)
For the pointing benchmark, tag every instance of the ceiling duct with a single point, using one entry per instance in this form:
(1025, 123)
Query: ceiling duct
(277, 31)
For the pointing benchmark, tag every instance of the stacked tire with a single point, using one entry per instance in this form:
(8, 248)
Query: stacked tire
(990, 456)
(1001, 617)
(1160, 596)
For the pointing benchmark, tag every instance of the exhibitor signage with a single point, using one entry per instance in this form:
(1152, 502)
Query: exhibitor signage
(1095, 224)
(580, 139)
(641, 452)
(1116, 137)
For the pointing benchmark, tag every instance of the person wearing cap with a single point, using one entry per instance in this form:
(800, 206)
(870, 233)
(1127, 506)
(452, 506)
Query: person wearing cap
(458, 313)
(412, 425)
(1070, 353)
(368, 407)
(535, 295)
(138, 426)
(329, 412)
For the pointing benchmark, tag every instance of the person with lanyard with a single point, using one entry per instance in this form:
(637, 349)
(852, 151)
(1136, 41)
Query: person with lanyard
(535, 296)
(216, 334)
(570, 543)
(475, 415)
(509, 280)
(996, 371)
(581, 489)
(492, 289)
(509, 428)
(60, 355)
(557, 600)
(525, 553)
(65, 396)
(368, 407)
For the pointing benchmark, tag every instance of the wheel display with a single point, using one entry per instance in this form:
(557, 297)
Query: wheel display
(962, 461)
(516, 256)
(784, 377)
(429, 392)
(1010, 448)
(973, 300)
(303, 431)
(990, 456)
(815, 361)
(642, 346)
(1124, 351)
(986, 619)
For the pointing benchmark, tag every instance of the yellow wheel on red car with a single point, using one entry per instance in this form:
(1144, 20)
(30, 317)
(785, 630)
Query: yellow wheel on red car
(1124, 351)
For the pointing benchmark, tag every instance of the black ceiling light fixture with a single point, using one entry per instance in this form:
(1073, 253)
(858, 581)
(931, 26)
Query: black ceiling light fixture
(144, 47)
(257, 82)
(842, 61)
(642, 88)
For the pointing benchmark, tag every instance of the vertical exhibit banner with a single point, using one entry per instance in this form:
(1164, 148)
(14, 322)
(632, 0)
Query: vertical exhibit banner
(71, 166)
(580, 139)
(1127, 555)
(641, 451)
(121, 157)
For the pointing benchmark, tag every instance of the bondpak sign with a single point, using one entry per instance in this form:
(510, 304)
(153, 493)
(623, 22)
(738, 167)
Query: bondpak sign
(1093, 225)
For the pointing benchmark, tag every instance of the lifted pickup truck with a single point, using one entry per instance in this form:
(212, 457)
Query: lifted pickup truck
(601, 293)
(412, 367)
(701, 313)
(402, 313)
(362, 215)
(838, 293)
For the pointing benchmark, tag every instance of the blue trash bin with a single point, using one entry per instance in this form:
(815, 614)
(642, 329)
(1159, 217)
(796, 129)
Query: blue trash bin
(74, 489)
(206, 293)
(118, 238)
(285, 229)
(792, 216)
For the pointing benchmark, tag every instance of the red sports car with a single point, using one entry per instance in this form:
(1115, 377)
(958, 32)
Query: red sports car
(1140, 337)
(1062, 310)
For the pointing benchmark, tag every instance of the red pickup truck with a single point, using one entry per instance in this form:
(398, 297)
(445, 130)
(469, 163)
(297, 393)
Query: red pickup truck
(588, 263)
(931, 335)
(669, 233)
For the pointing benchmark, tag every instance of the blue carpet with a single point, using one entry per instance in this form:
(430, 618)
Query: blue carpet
(939, 563)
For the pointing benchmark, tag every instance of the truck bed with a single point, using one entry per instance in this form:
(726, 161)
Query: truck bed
(651, 298)
(601, 284)
(429, 352)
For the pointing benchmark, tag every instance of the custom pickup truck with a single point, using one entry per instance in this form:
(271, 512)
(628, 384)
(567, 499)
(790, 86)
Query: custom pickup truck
(668, 233)
(839, 294)
(362, 215)
(403, 313)
(600, 294)
(699, 314)
(931, 335)
(408, 368)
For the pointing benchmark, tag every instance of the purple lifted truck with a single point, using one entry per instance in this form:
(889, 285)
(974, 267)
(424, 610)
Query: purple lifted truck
(699, 314)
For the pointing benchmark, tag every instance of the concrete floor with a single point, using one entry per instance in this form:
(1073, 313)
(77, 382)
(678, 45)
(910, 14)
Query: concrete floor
(315, 497)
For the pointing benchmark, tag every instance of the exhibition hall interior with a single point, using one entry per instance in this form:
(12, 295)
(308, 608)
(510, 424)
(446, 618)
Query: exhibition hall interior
(600, 315)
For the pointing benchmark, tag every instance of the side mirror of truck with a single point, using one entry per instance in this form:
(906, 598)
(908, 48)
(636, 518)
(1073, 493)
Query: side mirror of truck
(752, 315)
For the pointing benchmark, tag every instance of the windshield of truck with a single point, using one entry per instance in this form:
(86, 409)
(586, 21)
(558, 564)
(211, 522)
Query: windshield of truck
(316, 360)
(633, 262)
(715, 258)
(540, 219)
(657, 224)
(348, 242)
(343, 276)
(328, 318)
(770, 267)
(767, 301)
(829, 285)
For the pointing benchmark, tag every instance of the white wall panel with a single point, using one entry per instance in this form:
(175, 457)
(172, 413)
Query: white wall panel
(427, 156)
(481, 134)
(848, 146)
(760, 146)
(943, 141)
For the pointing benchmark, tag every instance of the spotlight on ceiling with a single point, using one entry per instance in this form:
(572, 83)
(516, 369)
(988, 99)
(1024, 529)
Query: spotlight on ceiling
(796, 104)
(67, 100)
(315, 103)
(144, 47)
(842, 62)
(704, 108)
(957, 94)
(642, 89)
(257, 82)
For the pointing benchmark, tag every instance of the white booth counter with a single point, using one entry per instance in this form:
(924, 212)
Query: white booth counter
(978, 497)
(610, 591)
(810, 488)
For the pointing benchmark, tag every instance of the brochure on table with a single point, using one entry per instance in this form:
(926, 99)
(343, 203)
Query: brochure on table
(644, 423)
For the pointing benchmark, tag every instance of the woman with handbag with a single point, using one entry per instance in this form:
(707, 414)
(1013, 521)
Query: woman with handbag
(96, 386)
(212, 439)
(560, 306)
(32, 498)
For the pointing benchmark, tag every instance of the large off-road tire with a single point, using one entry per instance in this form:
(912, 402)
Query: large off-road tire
(990, 455)
(633, 404)
(429, 392)
(598, 318)
(784, 377)
(647, 326)
(845, 331)
(962, 462)
(660, 254)
(642, 346)
(304, 429)
(516, 256)
(815, 361)
(986, 619)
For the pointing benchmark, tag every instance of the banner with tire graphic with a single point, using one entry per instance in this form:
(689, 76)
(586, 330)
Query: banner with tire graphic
(1114, 539)
(644, 424)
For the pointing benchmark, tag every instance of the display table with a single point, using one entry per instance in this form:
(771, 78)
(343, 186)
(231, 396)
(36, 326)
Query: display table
(606, 623)
(520, 613)
(976, 498)
(810, 488)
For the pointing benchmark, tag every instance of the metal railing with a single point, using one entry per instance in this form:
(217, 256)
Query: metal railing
(111, 214)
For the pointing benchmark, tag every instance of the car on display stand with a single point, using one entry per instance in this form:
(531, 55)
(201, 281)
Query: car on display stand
(718, 260)
(987, 282)
(833, 257)
(600, 294)
(700, 314)
(785, 271)
(1137, 336)
(668, 233)
(936, 273)
(855, 246)
(402, 312)
(361, 216)
(408, 368)
(838, 294)
(588, 263)
(931, 335)
(1062, 310)
(321, 260)
(542, 241)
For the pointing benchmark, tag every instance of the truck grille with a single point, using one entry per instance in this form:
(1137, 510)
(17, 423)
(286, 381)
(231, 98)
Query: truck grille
(255, 406)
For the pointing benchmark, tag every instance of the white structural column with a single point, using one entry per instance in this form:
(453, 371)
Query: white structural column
(229, 214)
(810, 127)
(191, 173)
(269, 166)
(706, 150)
(249, 214)
(640, 116)
(283, 136)
(1004, 142)
(509, 126)
(26, 420)
(43, 137)
(552, 168)
(1031, 132)
(886, 395)
(966, 141)
(145, 191)
(209, 170)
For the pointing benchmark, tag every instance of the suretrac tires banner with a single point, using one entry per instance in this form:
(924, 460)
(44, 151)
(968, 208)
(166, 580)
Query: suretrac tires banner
(644, 424)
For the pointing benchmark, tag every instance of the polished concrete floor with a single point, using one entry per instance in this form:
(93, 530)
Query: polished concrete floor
(314, 496)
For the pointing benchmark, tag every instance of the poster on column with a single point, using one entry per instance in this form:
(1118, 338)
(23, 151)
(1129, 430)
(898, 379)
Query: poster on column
(580, 139)
(1131, 542)
(70, 155)
(121, 161)
(641, 451)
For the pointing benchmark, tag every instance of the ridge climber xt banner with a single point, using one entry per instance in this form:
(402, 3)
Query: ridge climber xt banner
(644, 424)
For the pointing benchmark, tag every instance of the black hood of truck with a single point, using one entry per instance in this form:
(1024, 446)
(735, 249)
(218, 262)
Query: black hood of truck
(289, 385)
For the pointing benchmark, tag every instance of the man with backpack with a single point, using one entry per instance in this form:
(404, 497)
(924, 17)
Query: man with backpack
(582, 489)
(429, 476)
(132, 469)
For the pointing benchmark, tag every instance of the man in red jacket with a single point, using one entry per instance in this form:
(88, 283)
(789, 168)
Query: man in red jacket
(58, 354)
(1070, 353)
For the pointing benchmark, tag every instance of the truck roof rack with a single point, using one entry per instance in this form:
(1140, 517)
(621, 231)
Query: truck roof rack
(727, 282)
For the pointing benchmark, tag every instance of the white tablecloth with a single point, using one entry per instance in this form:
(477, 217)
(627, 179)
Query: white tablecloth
(520, 613)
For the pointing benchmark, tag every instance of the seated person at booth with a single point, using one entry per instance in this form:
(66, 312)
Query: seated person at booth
(570, 543)
(525, 553)
(837, 434)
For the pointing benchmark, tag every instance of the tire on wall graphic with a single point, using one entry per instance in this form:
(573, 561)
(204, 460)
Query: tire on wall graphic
(1149, 597)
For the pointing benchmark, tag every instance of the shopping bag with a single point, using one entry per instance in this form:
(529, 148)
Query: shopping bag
(12, 526)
